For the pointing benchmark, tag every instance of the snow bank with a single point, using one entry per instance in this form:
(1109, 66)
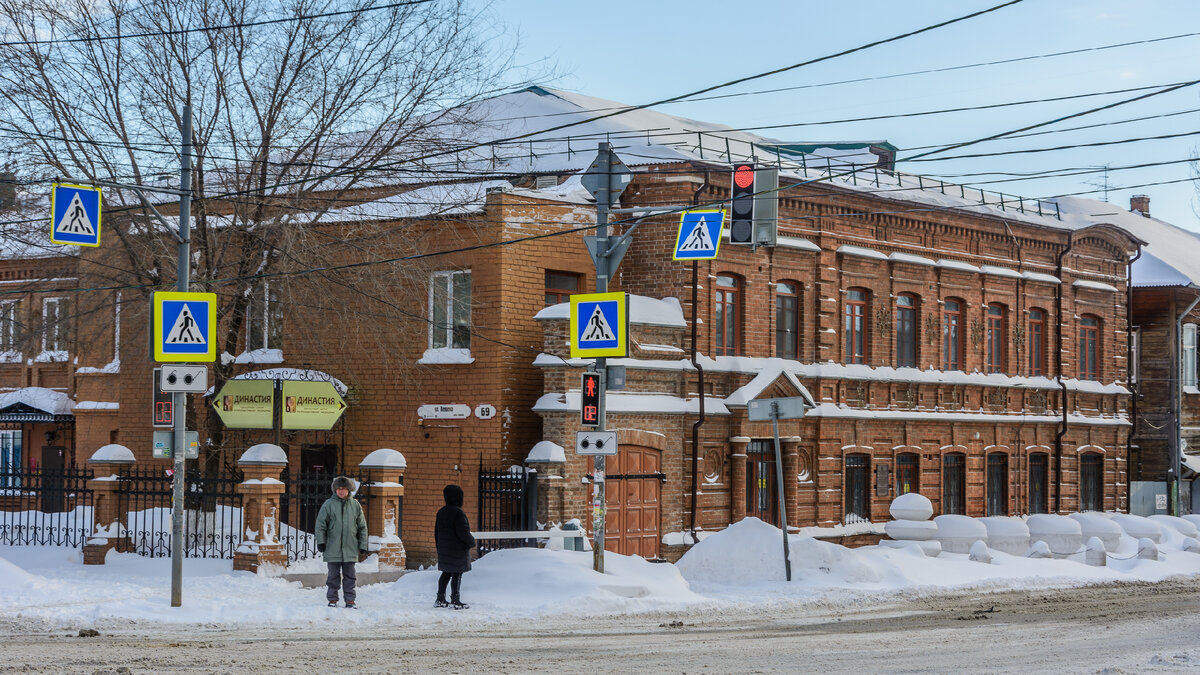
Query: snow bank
(1180, 525)
(1139, 527)
(1061, 534)
(911, 506)
(1099, 526)
(1007, 533)
(957, 533)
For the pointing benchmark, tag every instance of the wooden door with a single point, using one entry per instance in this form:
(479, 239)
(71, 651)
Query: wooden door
(633, 497)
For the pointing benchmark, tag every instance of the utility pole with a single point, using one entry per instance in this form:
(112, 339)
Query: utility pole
(604, 199)
(182, 279)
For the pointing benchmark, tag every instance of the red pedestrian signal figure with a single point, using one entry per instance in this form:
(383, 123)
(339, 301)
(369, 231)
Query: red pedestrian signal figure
(589, 400)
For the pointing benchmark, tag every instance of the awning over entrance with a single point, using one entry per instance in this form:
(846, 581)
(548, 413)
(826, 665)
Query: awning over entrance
(36, 404)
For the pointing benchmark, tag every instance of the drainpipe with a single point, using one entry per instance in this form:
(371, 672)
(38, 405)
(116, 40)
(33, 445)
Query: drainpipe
(1129, 366)
(1177, 408)
(1062, 429)
(699, 370)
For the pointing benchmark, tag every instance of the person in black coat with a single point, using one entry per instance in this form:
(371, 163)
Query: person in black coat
(454, 543)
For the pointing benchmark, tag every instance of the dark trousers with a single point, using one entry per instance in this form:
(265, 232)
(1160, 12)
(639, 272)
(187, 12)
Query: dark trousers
(455, 580)
(340, 574)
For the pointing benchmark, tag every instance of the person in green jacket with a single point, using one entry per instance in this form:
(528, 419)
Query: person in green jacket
(342, 539)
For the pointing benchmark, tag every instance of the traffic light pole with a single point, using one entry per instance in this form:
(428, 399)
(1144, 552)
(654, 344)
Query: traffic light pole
(599, 496)
(182, 279)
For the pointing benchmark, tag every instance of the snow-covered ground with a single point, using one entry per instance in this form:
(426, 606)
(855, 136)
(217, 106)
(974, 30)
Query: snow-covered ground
(740, 566)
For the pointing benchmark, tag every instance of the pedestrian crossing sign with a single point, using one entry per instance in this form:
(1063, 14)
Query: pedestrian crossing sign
(699, 235)
(75, 215)
(599, 325)
(184, 327)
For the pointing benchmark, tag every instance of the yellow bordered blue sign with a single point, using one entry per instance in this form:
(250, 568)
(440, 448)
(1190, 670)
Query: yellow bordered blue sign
(599, 325)
(75, 215)
(699, 235)
(185, 325)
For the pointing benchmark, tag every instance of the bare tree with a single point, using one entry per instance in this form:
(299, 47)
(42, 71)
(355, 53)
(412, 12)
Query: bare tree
(301, 107)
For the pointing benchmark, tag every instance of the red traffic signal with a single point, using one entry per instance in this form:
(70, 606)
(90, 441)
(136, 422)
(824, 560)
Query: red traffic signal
(741, 206)
(589, 400)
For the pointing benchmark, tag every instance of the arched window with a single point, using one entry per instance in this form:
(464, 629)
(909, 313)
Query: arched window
(727, 319)
(1089, 348)
(1091, 482)
(908, 473)
(997, 332)
(787, 320)
(1039, 476)
(858, 487)
(1037, 342)
(954, 483)
(855, 325)
(906, 330)
(997, 484)
(952, 334)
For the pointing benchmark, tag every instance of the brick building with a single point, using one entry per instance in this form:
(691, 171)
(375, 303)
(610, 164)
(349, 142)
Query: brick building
(963, 344)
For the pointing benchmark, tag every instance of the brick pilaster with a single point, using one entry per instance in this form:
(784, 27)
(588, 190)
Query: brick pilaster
(261, 490)
(384, 486)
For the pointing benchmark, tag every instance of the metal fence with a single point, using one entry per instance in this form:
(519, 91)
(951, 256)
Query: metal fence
(212, 526)
(45, 507)
(302, 498)
(507, 502)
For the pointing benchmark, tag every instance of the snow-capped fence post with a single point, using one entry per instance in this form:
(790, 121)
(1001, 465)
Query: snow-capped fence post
(548, 462)
(261, 491)
(110, 504)
(383, 484)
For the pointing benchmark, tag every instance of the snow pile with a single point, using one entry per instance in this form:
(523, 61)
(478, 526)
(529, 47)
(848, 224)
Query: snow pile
(1099, 526)
(1062, 535)
(958, 533)
(1007, 533)
(1139, 527)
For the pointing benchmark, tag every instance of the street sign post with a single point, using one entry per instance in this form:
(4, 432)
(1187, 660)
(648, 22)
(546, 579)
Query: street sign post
(775, 409)
(184, 326)
(75, 215)
(599, 325)
(699, 235)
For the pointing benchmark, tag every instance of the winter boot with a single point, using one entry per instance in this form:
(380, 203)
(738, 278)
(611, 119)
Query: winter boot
(440, 603)
(333, 603)
(351, 605)
(459, 604)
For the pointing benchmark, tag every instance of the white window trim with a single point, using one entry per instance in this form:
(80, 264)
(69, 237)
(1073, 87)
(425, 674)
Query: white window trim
(446, 277)
(11, 355)
(1187, 356)
(51, 355)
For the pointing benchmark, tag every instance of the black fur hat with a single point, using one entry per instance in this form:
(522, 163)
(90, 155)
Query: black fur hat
(342, 482)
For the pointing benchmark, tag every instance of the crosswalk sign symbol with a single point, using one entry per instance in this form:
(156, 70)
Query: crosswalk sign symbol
(184, 325)
(699, 235)
(599, 325)
(75, 215)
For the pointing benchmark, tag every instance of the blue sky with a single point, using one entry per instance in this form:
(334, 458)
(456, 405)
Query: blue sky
(637, 52)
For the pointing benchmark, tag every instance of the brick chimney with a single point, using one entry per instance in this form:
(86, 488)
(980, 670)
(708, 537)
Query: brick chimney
(1140, 204)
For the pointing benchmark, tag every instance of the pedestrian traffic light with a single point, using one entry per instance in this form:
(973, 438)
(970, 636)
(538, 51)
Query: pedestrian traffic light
(589, 400)
(741, 208)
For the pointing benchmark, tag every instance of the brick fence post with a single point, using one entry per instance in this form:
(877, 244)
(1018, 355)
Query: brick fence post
(549, 461)
(384, 484)
(261, 490)
(110, 504)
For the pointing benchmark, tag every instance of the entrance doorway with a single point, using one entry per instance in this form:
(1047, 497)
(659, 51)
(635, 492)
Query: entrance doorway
(633, 496)
(762, 500)
(53, 458)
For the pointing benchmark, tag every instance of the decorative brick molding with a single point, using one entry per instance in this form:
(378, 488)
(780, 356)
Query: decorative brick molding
(384, 484)
(261, 490)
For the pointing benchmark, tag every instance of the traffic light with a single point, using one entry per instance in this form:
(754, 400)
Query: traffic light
(589, 400)
(741, 208)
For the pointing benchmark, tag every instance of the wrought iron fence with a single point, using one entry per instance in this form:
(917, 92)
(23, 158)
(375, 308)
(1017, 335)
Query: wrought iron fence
(302, 498)
(212, 526)
(40, 507)
(507, 502)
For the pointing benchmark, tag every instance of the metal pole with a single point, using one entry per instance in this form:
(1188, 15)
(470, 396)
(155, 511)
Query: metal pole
(599, 505)
(182, 278)
(787, 554)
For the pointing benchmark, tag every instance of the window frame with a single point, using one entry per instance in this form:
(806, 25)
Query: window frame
(856, 344)
(1037, 341)
(727, 315)
(561, 293)
(1089, 347)
(997, 488)
(1091, 482)
(12, 443)
(996, 338)
(1039, 496)
(9, 336)
(906, 331)
(954, 488)
(908, 467)
(55, 339)
(857, 485)
(1187, 356)
(952, 334)
(264, 315)
(449, 329)
(787, 332)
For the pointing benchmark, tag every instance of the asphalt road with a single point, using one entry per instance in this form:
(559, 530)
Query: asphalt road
(1109, 629)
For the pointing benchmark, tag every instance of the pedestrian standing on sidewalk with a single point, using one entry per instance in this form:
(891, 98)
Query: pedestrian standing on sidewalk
(342, 540)
(454, 544)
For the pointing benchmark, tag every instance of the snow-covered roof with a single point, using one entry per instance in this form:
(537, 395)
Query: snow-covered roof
(755, 387)
(642, 310)
(47, 400)
(637, 403)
